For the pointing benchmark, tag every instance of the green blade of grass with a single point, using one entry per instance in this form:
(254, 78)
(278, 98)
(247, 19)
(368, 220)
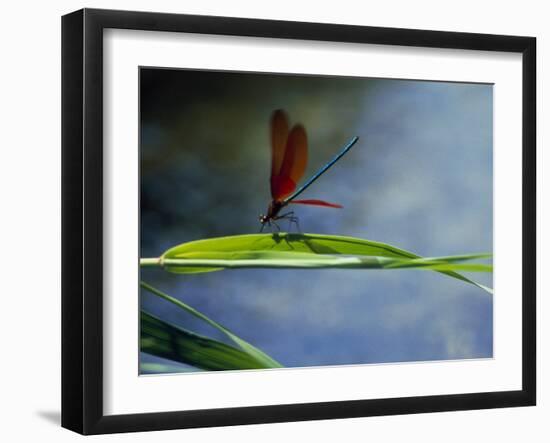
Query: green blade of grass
(178, 344)
(285, 250)
(162, 368)
(310, 261)
(261, 358)
(310, 243)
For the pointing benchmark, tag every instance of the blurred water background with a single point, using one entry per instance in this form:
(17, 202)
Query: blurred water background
(419, 178)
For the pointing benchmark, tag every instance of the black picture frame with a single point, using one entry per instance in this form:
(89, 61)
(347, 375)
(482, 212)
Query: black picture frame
(82, 218)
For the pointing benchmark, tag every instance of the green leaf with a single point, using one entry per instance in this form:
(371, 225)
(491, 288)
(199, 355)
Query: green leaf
(147, 368)
(177, 344)
(306, 251)
(261, 358)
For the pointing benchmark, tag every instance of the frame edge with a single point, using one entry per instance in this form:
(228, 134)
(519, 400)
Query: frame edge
(529, 220)
(72, 221)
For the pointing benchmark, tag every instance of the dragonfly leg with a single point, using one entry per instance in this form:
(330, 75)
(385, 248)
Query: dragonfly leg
(291, 219)
(276, 225)
(296, 221)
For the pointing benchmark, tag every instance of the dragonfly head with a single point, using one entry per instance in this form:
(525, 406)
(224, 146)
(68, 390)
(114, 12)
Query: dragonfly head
(263, 219)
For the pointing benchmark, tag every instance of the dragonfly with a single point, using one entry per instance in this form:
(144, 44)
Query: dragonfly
(289, 155)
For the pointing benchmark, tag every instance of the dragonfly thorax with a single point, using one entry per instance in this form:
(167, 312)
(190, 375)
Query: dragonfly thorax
(272, 211)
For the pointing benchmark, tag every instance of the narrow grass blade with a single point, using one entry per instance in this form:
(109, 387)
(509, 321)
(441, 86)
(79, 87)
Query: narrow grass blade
(147, 368)
(285, 250)
(175, 343)
(260, 357)
(311, 261)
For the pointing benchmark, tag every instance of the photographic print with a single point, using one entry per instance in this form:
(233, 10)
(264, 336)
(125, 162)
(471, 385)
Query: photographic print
(294, 221)
(275, 221)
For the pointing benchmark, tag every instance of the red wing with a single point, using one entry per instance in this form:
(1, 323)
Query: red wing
(279, 137)
(293, 166)
(316, 203)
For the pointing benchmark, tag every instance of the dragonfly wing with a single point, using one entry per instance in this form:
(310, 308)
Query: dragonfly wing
(293, 166)
(281, 186)
(316, 203)
(279, 137)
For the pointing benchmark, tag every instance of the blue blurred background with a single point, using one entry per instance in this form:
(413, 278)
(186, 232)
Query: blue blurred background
(419, 178)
